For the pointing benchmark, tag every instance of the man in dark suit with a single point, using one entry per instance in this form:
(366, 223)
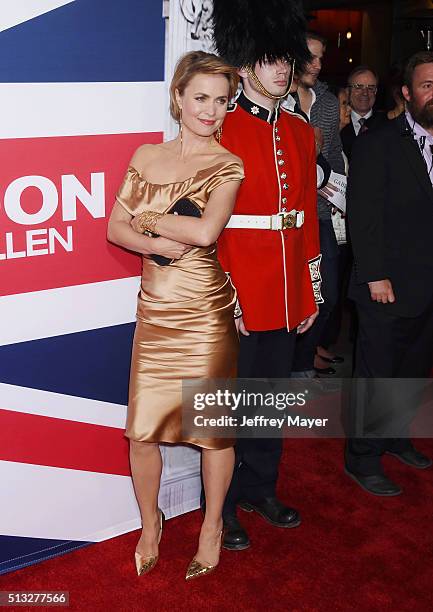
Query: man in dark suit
(390, 213)
(362, 84)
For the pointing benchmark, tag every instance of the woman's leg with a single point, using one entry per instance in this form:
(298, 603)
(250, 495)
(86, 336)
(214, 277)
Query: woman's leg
(217, 471)
(146, 467)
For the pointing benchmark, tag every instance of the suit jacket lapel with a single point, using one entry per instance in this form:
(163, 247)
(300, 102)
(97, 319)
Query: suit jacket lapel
(416, 161)
(348, 138)
(373, 121)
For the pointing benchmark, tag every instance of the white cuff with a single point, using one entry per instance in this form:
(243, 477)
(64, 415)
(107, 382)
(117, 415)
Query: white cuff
(316, 279)
(238, 310)
(320, 175)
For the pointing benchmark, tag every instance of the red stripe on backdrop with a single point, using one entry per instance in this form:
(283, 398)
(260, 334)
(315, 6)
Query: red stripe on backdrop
(40, 440)
(31, 256)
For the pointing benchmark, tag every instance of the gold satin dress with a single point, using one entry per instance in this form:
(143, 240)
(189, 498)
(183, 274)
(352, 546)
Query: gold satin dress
(185, 326)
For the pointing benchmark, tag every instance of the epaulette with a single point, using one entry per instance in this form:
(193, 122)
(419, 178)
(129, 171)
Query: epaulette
(293, 114)
(231, 107)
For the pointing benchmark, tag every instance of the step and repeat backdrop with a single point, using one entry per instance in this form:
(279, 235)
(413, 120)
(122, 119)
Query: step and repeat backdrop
(82, 84)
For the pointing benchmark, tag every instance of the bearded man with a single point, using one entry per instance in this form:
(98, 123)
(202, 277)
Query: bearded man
(390, 213)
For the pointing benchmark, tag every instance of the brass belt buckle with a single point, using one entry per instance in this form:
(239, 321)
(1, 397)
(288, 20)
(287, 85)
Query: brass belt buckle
(289, 221)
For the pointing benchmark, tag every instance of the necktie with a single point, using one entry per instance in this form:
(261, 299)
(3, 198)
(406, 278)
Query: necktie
(362, 122)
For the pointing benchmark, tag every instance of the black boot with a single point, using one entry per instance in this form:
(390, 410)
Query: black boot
(235, 537)
(274, 511)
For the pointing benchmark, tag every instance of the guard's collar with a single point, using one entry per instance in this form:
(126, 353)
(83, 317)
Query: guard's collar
(256, 110)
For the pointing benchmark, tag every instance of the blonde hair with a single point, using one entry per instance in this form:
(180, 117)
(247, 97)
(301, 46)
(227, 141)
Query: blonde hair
(199, 62)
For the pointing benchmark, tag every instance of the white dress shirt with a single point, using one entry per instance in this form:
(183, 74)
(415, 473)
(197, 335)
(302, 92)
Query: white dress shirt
(425, 143)
(355, 119)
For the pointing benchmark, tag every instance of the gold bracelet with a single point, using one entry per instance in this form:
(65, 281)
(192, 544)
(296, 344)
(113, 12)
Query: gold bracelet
(148, 220)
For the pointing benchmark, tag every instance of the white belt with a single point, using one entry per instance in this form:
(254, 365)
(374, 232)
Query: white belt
(281, 221)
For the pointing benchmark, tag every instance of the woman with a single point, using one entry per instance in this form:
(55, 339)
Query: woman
(344, 106)
(396, 102)
(399, 103)
(185, 325)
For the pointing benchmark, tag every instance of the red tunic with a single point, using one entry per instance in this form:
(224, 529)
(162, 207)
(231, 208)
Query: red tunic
(276, 273)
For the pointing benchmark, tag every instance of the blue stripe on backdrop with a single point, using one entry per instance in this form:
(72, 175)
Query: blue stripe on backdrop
(17, 552)
(87, 40)
(92, 364)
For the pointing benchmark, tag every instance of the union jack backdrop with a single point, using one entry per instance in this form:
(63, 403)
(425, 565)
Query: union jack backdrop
(82, 85)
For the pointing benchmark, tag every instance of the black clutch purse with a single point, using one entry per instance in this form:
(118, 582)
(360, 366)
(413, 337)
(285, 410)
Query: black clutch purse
(181, 207)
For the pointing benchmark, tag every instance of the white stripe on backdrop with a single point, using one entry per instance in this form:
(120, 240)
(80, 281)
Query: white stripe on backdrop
(31, 110)
(19, 11)
(89, 506)
(66, 504)
(59, 406)
(67, 310)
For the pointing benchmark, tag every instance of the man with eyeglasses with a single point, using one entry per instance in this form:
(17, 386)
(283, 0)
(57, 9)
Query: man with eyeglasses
(362, 85)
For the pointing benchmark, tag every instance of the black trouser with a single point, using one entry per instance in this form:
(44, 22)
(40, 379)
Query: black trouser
(266, 354)
(388, 347)
(332, 327)
(307, 343)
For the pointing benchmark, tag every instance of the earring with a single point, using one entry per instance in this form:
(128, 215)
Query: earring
(218, 134)
(180, 127)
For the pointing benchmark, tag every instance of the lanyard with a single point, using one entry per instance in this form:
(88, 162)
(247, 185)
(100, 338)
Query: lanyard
(421, 140)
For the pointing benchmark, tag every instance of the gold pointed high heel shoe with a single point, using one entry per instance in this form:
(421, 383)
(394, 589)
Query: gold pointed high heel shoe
(197, 569)
(145, 564)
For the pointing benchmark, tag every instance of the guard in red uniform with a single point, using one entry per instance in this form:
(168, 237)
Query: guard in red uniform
(275, 271)
(270, 246)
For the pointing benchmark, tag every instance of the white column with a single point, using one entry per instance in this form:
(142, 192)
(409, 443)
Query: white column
(187, 29)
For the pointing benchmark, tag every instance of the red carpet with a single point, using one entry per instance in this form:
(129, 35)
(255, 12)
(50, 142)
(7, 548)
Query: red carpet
(353, 552)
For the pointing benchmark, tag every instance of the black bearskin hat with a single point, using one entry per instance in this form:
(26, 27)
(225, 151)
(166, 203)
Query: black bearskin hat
(250, 31)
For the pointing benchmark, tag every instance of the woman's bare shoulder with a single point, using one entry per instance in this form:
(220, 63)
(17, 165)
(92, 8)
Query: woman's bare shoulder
(145, 154)
(226, 156)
